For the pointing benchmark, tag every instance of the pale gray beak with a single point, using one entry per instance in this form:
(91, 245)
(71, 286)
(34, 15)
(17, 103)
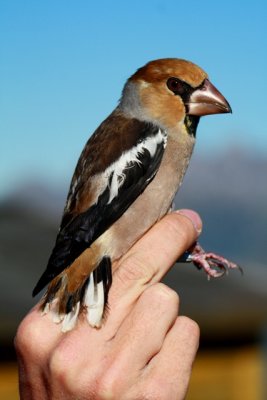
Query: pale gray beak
(207, 100)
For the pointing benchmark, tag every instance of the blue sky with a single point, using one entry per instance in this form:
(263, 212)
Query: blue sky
(63, 65)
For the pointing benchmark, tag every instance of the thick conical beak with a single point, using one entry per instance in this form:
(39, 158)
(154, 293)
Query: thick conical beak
(207, 100)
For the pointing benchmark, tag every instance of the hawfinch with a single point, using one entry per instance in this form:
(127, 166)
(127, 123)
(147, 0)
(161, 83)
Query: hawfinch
(124, 182)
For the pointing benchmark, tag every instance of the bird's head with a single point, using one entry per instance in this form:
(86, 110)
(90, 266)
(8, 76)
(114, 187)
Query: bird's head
(165, 91)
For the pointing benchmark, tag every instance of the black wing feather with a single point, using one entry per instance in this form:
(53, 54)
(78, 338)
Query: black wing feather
(81, 231)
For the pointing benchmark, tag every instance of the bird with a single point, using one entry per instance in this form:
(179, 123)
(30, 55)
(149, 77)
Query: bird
(125, 181)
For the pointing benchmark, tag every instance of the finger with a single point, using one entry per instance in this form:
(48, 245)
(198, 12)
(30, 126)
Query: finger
(140, 338)
(172, 235)
(36, 338)
(173, 364)
(150, 259)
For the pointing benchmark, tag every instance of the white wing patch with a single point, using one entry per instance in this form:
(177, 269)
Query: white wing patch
(94, 302)
(70, 319)
(131, 156)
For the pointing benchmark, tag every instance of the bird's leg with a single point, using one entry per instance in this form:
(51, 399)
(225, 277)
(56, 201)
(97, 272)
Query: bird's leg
(213, 264)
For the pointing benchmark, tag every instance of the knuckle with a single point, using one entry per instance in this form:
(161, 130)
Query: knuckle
(73, 375)
(106, 390)
(111, 379)
(190, 327)
(21, 340)
(163, 293)
(108, 384)
(56, 362)
(59, 361)
(61, 369)
(28, 334)
(133, 269)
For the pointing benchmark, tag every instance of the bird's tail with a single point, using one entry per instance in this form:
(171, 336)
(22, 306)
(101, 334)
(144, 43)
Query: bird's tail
(91, 296)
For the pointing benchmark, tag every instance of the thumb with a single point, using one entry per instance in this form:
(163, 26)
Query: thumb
(152, 256)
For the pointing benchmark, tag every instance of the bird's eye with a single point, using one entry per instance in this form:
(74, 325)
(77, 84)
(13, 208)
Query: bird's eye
(176, 86)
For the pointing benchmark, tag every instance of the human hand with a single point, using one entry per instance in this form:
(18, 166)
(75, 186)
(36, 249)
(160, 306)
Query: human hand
(144, 350)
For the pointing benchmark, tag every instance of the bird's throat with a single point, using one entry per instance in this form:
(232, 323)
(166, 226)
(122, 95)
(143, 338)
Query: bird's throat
(191, 123)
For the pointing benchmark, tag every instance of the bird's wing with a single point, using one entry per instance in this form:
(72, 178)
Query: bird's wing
(110, 175)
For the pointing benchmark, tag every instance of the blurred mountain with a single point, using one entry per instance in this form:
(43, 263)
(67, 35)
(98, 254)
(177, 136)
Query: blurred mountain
(230, 193)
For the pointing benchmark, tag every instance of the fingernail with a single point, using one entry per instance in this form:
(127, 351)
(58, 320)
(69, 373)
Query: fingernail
(194, 218)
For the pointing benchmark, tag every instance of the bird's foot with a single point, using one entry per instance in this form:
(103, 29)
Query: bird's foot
(214, 265)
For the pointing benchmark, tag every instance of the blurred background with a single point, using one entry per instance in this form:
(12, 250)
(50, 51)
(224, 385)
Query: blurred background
(63, 65)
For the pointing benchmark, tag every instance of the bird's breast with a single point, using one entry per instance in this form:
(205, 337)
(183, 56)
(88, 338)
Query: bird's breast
(156, 199)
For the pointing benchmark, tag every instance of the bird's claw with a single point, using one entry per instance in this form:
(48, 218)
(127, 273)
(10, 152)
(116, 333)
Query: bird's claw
(214, 265)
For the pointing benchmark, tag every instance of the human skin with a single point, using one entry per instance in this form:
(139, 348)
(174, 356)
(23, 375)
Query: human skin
(144, 350)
